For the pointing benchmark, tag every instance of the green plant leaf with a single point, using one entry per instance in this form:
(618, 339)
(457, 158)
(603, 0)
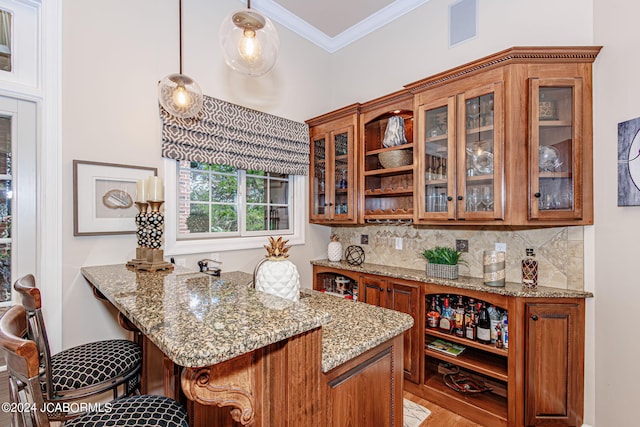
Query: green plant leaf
(443, 255)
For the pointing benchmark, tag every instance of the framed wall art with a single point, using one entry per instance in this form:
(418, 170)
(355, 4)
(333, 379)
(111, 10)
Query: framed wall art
(104, 196)
(629, 163)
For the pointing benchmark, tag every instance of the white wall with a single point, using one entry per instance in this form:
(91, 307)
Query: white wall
(416, 45)
(617, 231)
(114, 53)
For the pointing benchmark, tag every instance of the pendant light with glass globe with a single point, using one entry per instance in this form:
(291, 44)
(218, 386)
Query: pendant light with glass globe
(178, 93)
(249, 42)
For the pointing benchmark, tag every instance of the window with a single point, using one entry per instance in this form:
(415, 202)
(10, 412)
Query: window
(5, 40)
(223, 208)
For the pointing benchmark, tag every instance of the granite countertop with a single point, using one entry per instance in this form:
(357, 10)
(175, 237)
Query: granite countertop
(199, 320)
(355, 327)
(463, 282)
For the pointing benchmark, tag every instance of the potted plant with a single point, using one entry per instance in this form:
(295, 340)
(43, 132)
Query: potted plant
(442, 262)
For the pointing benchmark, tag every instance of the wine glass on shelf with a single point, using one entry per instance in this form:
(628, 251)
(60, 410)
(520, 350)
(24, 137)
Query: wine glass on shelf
(474, 199)
(487, 198)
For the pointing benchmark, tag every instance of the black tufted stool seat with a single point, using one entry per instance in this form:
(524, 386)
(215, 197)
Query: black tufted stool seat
(23, 366)
(100, 370)
(136, 411)
(93, 363)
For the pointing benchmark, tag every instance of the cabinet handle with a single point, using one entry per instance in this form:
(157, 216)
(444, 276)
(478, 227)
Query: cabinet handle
(330, 204)
(537, 195)
(534, 317)
(449, 198)
(381, 289)
(388, 289)
(459, 197)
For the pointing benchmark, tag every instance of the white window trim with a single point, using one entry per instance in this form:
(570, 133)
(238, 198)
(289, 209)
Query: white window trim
(172, 246)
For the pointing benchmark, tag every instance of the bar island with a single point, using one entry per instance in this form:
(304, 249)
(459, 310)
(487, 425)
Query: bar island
(235, 356)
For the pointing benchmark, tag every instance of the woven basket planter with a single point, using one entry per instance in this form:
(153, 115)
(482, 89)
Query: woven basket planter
(442, 270)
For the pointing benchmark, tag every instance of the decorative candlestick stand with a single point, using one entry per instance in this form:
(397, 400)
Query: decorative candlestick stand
(150, 224)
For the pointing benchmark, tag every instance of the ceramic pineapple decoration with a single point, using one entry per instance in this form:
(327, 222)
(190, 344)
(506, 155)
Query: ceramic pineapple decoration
(276, 274)
(334, 250)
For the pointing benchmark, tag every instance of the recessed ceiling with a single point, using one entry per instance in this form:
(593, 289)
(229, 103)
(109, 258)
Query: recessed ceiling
(334, 24)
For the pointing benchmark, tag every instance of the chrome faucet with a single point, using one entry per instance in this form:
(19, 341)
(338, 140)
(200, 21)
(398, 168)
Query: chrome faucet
(203, 264)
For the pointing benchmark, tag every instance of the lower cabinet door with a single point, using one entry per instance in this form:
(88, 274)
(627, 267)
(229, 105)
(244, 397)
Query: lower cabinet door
(367, 390)
(405, 297)
(554, 364)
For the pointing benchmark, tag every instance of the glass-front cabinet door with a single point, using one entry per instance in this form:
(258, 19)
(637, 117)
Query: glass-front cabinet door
(437, 174)
(333, 176)
(461, 150)
(480, 154)
(555, 148)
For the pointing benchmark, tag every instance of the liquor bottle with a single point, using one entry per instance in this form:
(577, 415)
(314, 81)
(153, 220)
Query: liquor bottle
(499, 343)
(505, 330)
(530, 271)
(446, 318)
(496, 318)
(484, 326)
(433, 316)
(470, 320)
(459, 329)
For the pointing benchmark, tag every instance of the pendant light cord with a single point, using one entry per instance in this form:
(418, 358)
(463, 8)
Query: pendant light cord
(180, 30)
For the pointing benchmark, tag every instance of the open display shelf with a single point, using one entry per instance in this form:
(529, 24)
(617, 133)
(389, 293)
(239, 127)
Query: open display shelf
(488, 406)
(387, 172)
(483, 363)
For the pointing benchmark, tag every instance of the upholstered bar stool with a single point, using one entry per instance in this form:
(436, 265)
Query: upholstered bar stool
(25, 379)
(108, 369)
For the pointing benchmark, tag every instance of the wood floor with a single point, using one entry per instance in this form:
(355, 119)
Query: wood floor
(440, 417)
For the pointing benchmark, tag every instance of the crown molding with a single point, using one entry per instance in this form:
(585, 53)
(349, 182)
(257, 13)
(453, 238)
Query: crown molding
(301, 27)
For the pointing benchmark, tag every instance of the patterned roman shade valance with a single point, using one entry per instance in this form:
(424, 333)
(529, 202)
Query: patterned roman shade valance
(229, 134)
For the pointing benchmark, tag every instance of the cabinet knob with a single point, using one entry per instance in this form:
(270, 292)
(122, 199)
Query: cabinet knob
(459, 197)
(534, 317)
(381, 289)
(449, 198)
(330, 204)
(537, 195)
(388, 289)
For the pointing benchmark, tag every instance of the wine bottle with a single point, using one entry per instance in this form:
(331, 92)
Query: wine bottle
(484, 326)
(530, 271)
(459, 329)
(433, 316)
(446, 318)
(470, 320)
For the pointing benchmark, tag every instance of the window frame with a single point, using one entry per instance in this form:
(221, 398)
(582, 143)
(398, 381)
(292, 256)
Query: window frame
(173, 246)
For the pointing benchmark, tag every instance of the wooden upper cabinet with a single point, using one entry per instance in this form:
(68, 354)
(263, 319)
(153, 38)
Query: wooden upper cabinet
(333, 167)
(460, 152)
(504, 140)
(555, 150)
(528, 163)
(387, 166)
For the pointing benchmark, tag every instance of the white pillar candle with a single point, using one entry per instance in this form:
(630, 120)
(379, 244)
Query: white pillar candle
(155, 190)
(141, 191)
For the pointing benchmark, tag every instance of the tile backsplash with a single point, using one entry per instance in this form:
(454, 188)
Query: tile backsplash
(559, 250)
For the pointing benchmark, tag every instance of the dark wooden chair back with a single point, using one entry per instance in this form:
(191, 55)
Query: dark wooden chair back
(36, 330)
(23, 366)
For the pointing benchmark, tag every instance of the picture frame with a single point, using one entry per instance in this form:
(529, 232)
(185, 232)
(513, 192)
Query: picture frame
(104, 196)
(629, 163)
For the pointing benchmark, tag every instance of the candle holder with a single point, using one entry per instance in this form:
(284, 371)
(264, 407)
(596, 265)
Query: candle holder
(150, 225)
(141, 234)
(493, 264)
